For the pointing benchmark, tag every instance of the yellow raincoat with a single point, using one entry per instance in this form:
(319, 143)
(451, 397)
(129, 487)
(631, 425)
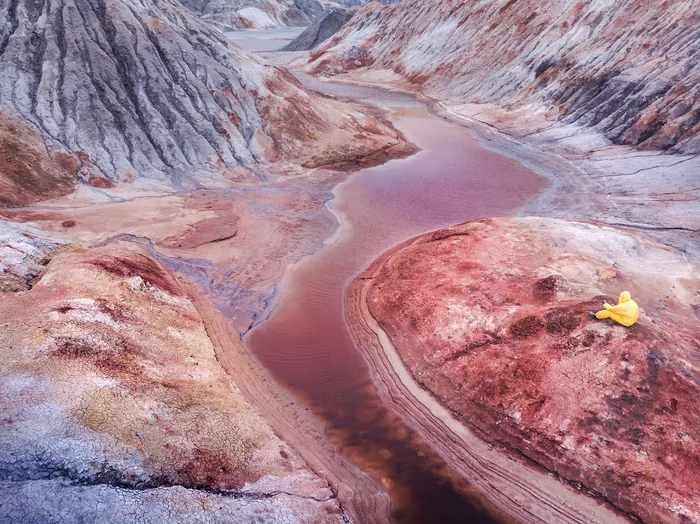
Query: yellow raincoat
(626, 312)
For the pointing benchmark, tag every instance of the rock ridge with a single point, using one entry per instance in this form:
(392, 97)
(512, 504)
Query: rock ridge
(627, 69)
(490, 318)
(140, 90)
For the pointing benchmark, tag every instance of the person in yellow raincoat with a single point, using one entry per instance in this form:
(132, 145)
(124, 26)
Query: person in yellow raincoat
(626, 312)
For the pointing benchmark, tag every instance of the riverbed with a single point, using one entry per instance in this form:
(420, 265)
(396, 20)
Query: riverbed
(305, 344)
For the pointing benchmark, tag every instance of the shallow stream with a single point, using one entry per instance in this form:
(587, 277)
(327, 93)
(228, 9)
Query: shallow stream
(305, 343)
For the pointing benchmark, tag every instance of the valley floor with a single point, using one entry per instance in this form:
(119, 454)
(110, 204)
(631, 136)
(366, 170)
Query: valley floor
(124, 311)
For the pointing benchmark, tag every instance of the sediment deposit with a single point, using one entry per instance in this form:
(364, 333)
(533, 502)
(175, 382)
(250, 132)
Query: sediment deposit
(601, 97)
(29, 171)
(490, 317)
(628, 69)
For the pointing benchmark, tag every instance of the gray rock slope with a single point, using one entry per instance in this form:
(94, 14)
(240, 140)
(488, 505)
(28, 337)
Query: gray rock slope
(140, 88)
(358, 3)
(324, 27)
(628, 68)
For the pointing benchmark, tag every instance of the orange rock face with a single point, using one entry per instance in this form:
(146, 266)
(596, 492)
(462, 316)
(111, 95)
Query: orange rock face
(491, 317)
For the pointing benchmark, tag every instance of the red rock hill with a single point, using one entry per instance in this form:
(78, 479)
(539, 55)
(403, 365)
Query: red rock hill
(491, 317)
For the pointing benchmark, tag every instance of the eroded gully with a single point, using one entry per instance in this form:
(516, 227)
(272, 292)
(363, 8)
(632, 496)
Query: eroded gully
(305, 344)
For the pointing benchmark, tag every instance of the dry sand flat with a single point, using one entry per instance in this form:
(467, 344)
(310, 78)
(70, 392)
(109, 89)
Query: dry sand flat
(607, 409)
(236, 243)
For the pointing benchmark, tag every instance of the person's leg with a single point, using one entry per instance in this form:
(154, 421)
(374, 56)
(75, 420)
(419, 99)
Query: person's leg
(600, 315)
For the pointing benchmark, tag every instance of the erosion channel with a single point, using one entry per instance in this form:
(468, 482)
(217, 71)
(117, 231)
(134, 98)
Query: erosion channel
(305, 344)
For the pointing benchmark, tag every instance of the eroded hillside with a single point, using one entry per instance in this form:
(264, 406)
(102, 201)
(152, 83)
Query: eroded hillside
(132, 135)
(113, 397)
(256, 14)
(142, 91)
(491, 317)
(628, 69)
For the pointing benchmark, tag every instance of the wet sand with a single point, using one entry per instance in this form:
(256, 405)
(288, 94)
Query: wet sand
(305, 343)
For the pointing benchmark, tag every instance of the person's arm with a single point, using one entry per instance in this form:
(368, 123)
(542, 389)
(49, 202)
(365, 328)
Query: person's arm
(620, 308)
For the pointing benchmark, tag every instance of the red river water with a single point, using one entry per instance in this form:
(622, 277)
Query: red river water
(305, 343)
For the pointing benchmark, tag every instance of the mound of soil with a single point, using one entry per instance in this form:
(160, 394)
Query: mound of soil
(491, 317)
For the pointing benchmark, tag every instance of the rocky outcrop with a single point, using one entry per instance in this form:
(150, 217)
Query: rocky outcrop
(24, 252)
(256, 14)
(491, 318)
(141, 91)
(626, 69)
(114, 400)
(231, 15)
(324, 27)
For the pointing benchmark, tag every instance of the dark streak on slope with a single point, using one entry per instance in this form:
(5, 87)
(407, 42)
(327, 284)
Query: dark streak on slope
(628, 69)
(142, 89)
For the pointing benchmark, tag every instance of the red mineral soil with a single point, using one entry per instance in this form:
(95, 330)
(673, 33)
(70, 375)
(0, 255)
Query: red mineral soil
(486, 323)
(234, 243)
(29, 171)
(111, 381)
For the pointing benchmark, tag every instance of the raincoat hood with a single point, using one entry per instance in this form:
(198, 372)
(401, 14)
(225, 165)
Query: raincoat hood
(625, 296)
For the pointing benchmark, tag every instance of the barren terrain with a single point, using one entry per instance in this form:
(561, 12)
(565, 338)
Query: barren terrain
(599, 97)
(490, 317)
(111, 384)
(163, 192)
(136, 143)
